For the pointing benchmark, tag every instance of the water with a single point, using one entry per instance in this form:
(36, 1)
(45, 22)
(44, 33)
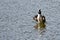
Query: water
(16, 21)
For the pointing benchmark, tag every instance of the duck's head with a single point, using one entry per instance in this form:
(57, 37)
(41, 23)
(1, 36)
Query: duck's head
(39, 12)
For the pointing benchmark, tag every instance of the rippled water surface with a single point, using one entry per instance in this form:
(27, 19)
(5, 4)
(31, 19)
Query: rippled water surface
(16, 19)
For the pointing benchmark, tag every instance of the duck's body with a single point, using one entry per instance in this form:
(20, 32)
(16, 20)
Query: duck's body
(39, 17)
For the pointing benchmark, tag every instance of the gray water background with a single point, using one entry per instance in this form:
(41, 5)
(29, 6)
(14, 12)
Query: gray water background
(16, 19)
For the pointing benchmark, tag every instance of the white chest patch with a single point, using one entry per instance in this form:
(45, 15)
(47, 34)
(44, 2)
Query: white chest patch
(38, 18)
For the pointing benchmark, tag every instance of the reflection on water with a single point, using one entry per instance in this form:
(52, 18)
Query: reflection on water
(41, 27)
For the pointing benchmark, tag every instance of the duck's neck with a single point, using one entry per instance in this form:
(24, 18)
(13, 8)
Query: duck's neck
(38, 18)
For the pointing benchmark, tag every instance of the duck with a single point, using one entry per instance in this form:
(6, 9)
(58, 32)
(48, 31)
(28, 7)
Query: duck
(39, 17)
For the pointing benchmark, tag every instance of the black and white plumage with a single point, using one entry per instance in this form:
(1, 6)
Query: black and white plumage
(39, 17)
